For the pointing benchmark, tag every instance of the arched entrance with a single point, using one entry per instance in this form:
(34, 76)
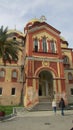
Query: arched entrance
(45, 86)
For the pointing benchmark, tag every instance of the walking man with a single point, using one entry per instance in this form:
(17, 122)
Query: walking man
(62, 106)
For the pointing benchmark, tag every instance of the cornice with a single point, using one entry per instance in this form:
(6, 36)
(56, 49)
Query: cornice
(33, 58)
(37, 28)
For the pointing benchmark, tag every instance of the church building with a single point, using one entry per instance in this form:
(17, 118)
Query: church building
(49, 64)
(44, 70)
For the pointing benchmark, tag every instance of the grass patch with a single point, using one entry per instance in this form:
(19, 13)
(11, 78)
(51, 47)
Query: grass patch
(7, 109)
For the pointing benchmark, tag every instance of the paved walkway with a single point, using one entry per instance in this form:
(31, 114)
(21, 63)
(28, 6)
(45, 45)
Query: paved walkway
(39, 120)
(42, 113)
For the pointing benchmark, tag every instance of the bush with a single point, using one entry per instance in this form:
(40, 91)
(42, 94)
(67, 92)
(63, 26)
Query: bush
(2, 113)
(6, 110)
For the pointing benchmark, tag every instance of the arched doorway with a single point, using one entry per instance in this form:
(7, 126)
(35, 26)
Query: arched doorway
(45, 86)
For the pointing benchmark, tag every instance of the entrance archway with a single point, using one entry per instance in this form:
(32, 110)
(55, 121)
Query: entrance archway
(45, 91)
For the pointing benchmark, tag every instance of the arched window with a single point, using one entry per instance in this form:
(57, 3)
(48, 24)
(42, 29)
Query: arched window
(14, 75)
(36, 45)
(44, 44)
(65, 60)
(53, 46)
(70, 77)
(2, 73)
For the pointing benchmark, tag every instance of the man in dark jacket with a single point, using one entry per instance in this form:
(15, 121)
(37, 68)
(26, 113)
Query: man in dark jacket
(62, 106)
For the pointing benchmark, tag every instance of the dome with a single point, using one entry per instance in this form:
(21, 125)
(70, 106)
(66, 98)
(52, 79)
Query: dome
(64, 41)
(15, 32)
(34, 20)
(62, 38)
(41, 19)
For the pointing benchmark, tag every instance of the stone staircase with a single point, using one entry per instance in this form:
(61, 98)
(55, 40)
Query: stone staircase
(42, 106)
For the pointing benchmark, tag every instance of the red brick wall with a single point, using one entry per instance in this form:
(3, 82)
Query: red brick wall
(37, 64)
(54, 66)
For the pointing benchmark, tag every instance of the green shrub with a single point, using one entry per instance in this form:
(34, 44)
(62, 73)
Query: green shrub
(7, 109)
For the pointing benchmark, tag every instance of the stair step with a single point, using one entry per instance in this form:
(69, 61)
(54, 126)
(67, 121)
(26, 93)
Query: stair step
(42, 106)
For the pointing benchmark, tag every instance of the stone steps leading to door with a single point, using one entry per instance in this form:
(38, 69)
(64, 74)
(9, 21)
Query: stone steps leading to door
(42, 106)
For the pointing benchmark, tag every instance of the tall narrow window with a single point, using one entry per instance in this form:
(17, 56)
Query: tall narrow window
(14, 75)
(0, 91)
(2, 73)
(13, 91)
(36, 45)
(44, 44)
(66, 62)
(70, 76)
(53, 46)
(71, 91)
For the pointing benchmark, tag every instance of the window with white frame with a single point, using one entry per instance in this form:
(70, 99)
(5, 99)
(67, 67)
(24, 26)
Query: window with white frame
(53, 46)
(70, 76)
(36, 45)
(14, 74)
(0, 91)
(2, 73)
(65, 60)
(44, 44)
(13, 91)
(71, 91)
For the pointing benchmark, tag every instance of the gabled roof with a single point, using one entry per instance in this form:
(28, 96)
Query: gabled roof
(38, 23)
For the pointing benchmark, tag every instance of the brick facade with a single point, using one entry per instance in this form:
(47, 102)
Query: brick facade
(48, 67)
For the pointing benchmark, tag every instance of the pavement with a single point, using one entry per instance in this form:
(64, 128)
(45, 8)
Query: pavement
(42, 113)
(39, 120)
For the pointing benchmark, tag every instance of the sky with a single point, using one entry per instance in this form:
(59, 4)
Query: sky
(58, 13)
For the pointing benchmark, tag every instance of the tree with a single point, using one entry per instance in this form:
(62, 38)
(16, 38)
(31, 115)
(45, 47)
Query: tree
(8, 48)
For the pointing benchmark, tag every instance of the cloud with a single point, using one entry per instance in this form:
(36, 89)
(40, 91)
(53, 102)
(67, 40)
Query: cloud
(59, 14)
